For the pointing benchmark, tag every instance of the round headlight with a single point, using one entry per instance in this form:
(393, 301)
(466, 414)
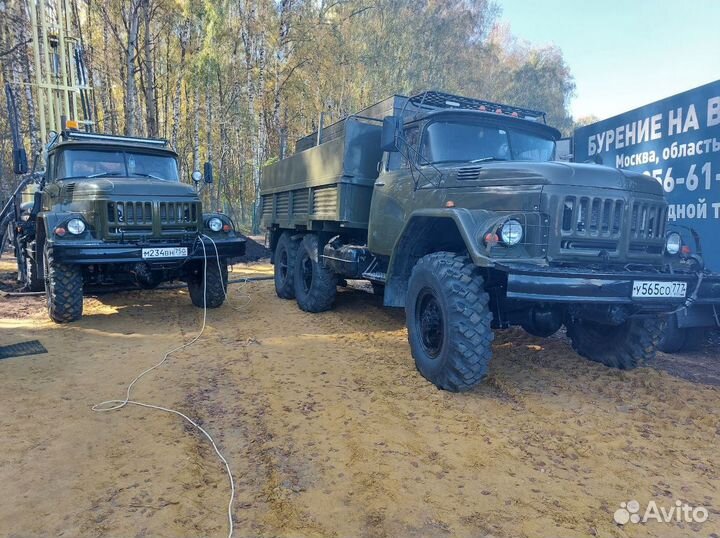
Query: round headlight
(75, 226)
(511, 232)
(673, 242)
(215, 224)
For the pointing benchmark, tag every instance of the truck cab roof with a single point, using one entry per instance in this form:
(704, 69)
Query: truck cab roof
(70, 139)
(511, 121)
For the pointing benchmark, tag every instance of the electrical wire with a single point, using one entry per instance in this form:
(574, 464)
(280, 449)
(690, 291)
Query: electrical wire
(114, 405)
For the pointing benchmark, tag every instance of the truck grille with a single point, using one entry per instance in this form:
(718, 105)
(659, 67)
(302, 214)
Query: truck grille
(130, 213)
(177, 212)
(601, 217)
(613, 228)
(647, 220)
(139, 219)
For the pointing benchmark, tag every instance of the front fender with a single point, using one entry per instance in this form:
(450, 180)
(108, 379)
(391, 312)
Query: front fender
(52, 220)
(458, 230)
(470, 224)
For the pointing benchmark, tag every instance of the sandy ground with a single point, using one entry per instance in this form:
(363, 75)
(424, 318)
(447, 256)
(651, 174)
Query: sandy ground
(330, 431)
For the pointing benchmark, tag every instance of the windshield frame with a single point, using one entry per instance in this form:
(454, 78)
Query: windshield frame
(59, 164)
(484, 122)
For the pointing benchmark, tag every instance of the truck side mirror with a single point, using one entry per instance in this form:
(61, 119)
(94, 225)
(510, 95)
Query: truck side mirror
(208, 172)
(390, 129)
(20, 162)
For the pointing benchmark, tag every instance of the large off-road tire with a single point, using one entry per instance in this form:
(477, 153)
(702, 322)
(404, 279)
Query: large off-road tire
(284, 266)
(673, 337)
(34, 274)
(315, 285)
(626, 346)
(448, 321)
(210, 294)
(63, 290)
(676, 339)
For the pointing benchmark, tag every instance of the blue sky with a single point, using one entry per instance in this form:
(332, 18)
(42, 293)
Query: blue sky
(624, 54)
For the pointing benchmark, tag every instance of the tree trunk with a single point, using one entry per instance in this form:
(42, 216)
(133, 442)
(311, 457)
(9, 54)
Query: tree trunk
(196, 129)
(150, 90)
(133, 25)
(184, 37)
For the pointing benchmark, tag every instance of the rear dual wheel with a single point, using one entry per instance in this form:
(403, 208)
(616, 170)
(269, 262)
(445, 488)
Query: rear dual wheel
(300, 274)
(315, 285)
(284, 266)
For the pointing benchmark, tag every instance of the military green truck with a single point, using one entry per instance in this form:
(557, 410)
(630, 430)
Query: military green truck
(112, 210)
(454, 209)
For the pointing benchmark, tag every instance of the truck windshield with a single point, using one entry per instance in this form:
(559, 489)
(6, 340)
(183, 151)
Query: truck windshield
(451, 141)
(82, 163)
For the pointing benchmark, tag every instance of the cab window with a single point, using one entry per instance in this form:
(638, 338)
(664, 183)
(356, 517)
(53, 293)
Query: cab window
(81, 163)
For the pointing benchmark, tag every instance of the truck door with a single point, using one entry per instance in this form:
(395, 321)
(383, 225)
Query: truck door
(392, 193)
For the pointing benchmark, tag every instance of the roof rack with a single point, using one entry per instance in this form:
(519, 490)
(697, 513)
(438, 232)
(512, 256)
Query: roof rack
(436, 100)
(81, 135)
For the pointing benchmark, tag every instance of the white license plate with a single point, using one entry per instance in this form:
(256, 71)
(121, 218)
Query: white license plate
(654, 288)
(170, 252)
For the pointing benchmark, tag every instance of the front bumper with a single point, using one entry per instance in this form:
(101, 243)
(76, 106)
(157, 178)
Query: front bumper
(91, 253)
(587, 286)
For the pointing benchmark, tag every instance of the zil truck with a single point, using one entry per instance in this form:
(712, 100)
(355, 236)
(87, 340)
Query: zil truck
(112, 210)
(677, 141)
(455, 209)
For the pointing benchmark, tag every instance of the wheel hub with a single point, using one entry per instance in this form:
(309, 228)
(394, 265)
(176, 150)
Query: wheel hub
(307, 273)
(430, 323)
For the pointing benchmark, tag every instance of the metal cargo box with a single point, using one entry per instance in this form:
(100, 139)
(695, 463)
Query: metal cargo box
(330, 182)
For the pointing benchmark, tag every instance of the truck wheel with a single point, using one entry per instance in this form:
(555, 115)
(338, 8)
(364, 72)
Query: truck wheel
(63, 289)
(695, 338)
(285, 255)
(625, 346)
(34, 275)
(215, 288)
(673, 337)
(315, 285)
(448, 321)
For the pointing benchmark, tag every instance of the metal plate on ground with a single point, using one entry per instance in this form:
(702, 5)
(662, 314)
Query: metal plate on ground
(33, 347)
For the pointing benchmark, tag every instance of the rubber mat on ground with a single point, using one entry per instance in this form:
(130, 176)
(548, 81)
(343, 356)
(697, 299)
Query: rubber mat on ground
(33, 347)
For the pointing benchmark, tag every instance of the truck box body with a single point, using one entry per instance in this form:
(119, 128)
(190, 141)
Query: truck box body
(332, 181)
(387, 107)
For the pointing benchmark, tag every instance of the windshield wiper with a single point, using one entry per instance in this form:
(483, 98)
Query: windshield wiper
(148, 175)
(101, 174)
(446, 161)
(105, 174)
(487, 159)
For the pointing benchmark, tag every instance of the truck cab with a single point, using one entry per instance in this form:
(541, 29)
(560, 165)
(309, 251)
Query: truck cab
(469, 224)
(112, 210)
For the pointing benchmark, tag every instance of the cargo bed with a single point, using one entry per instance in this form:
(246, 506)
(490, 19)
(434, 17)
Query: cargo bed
(328, 185)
